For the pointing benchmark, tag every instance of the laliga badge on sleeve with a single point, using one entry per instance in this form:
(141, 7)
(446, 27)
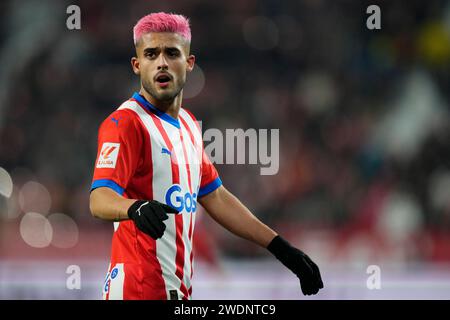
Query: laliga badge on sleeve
(108, 155)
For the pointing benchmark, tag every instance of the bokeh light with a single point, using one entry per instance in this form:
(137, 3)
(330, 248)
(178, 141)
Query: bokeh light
(195, 83)
(400, 217)
(65, 230)
(439, 189)
(6, 184)
(260, 33)
(36, 230)
(9, 207)
(291, 34)
(317, 92)
(34, 197)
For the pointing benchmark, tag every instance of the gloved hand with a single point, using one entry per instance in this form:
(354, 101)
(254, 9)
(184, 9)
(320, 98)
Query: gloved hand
(148, 215)
(299, 263)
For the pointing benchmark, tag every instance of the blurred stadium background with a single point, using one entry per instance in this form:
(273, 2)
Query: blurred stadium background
(364, 125)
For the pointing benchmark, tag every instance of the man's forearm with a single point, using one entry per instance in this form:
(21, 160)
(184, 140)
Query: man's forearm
(229, 212)
(106, 204)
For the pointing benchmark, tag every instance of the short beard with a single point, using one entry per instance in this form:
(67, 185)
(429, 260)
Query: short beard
(165, 97)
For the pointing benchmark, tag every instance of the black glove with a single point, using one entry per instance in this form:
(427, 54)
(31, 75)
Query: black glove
(148, 215)
(299, 263)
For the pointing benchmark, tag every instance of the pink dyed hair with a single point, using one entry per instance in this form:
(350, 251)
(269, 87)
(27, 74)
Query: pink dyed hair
(162, 22)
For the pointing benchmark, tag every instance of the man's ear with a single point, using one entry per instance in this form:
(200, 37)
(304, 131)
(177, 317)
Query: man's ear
(190, 63)
(135, 65)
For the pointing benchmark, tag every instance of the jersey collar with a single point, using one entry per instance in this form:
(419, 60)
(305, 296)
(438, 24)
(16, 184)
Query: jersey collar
(164, 116)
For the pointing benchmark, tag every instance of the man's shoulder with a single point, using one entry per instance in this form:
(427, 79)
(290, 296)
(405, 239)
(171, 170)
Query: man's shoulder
(121, 118)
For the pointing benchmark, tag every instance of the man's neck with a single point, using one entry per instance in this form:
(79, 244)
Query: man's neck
(172, 108)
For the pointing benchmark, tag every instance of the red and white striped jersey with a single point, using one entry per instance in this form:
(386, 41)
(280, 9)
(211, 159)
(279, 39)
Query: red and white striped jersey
(146, 154)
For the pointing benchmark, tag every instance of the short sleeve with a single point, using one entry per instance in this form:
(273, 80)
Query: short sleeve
(118, 151)
(210, 180)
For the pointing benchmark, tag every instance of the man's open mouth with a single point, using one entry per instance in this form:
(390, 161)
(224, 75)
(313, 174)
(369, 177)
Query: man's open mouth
(163, 78)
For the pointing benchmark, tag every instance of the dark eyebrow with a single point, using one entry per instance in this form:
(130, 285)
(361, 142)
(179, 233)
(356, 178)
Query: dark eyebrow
(146, 50)
(172, 49)
(168, 49)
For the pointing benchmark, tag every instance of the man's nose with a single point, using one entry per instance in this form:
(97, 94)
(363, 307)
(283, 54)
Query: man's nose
(162, 62)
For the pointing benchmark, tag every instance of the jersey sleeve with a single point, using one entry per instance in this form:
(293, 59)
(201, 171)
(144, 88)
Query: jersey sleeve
(118, 151)
(210, 179)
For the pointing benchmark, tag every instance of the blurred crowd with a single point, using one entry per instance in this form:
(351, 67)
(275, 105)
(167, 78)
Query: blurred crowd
(363, 114)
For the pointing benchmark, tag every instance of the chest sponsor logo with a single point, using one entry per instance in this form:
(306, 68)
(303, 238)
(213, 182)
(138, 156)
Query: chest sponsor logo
(180, 200)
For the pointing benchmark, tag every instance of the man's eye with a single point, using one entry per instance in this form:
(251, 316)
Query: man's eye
(150, 54)
(173, 53)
